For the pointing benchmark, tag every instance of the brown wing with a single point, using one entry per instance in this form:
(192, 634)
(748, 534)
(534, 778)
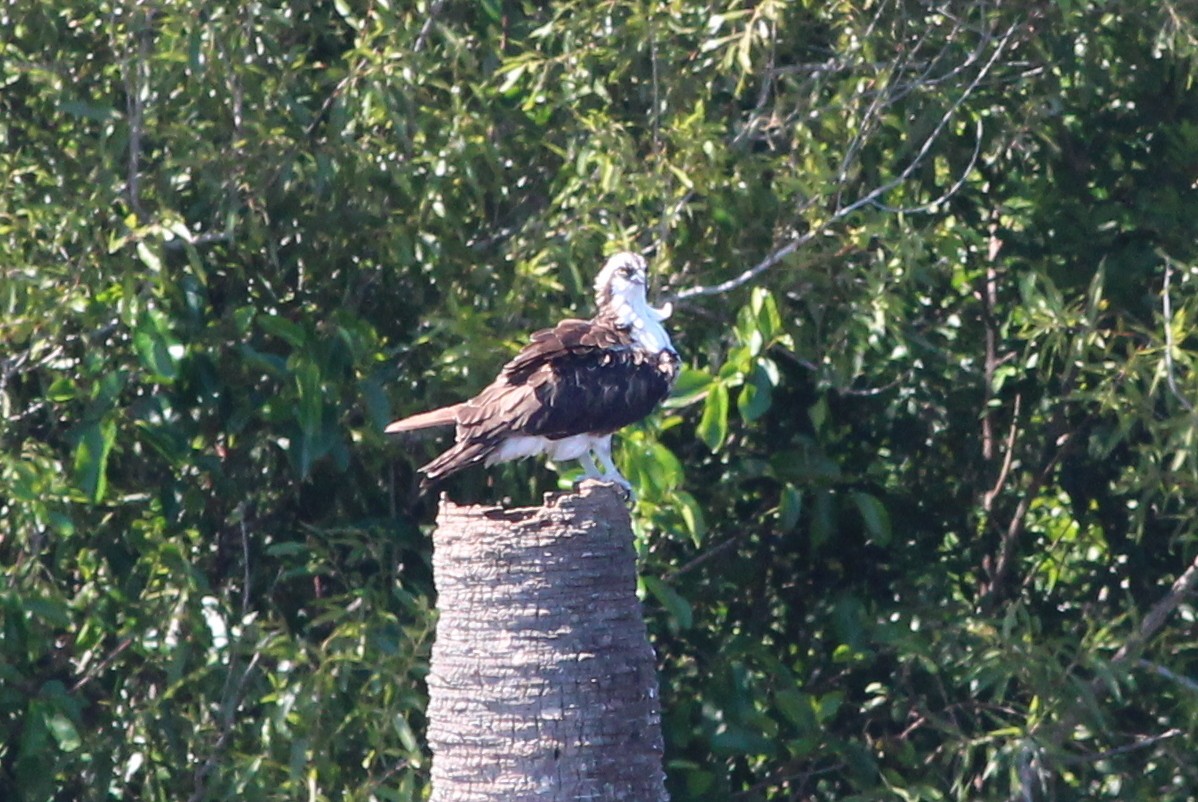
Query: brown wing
(578, 377)
(568, 337)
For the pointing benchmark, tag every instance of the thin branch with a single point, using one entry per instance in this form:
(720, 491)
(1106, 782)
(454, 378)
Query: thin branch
(893, 91)
(1015, 527)
(807, 364)
(136, 75)
(229, 711)
(233, 693)
(245, 559)
(653, 63)
(1167, 310)
(866, 200)
(1008, 458)
(714, 551)
(1029, 771)
(1157, 668)
(948, 193)
(1139, 744)
(989, 299)
(763, 95)
(95, 671)
(433, 11)
(1160, 611)
(209, 238)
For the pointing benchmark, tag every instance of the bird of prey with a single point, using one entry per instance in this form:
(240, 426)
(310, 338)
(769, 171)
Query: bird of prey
(570, 388)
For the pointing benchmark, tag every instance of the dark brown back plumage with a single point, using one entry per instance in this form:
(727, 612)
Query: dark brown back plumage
(580, 377)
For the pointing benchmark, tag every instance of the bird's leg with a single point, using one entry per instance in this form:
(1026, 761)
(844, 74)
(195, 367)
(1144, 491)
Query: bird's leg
(610, 472)
(589, 469)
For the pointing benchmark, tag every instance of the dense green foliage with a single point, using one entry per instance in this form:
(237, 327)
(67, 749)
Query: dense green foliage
(909, 527)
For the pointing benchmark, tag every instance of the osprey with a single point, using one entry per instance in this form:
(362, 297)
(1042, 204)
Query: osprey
(570, 388)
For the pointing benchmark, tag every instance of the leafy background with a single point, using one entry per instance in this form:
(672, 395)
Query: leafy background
(917, 524)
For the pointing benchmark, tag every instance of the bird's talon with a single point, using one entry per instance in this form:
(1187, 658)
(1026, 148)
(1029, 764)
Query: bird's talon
(626, 490)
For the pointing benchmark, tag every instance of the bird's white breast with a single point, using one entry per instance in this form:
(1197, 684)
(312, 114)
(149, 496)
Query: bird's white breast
(526, 445)
(644, 323)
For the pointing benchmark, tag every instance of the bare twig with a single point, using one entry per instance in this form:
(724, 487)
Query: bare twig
(1167, 310)
(763, 96)
(209, 238)
(1010, 538)
(433, 10)
(229, 710)
(1157, 668)
(871, 197)
(234, 690)
(807, 364)
(1140, 743)
(245, 559)
(136, 73)
(948, 193)
(714, 551)
(1160, 611)
(989, 299)
(1029, 771)
(95, 671)
(1008, 458)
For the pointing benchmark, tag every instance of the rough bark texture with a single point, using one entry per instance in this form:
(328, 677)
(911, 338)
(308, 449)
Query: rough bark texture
(542, 684)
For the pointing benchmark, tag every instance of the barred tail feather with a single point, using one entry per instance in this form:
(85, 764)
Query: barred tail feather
(462, 455)
(445, 416)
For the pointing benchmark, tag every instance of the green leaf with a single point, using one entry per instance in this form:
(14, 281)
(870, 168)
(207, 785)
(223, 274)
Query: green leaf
(755, 397)
(311, 398)
(156, 346)
(61, 389)
(692, 516)
(149, 257)
(873, 513)
(406, 736)
(765, 309)
(713, 426)
(748, 333)
(691, 386)
(797, 707)
(823, 521)
(678, 607)
(282, 328)
(826, 706)
(89, 111)
(64, 731)
(91, 458)
(790, 507)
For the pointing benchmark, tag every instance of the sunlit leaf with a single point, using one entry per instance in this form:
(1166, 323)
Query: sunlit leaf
(713, 426)
(678, 607)
(91, 458)
(873, 513)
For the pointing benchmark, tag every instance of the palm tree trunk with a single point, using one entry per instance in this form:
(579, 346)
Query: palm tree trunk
(542, 682)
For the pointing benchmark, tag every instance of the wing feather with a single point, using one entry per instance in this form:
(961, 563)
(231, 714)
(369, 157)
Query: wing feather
(580, 377)
(445, 416)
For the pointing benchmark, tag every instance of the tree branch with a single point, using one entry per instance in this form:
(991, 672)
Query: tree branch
(136, 72)
(433, 10)
(871, 197)
(1167, 311)
(1157, 668)
(1015, 527)
(1160, 611)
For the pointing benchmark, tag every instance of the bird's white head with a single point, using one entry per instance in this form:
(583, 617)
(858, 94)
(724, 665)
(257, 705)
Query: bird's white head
(624, 275)
(620, 291)
(623, 281)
